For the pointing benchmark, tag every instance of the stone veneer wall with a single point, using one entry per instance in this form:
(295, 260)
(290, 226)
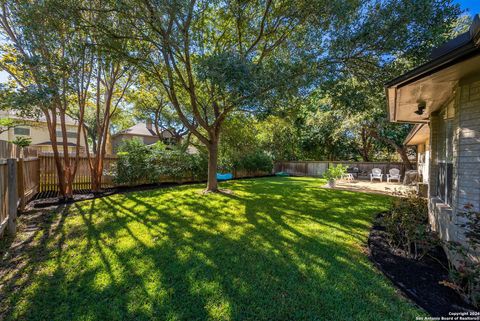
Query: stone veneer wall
(465, 159)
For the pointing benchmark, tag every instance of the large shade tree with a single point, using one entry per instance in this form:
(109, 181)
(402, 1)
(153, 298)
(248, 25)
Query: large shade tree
(150, 103)
(47, 58)
(382, 40)
(215, 57)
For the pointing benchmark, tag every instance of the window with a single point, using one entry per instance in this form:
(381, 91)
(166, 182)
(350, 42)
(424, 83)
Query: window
(21, 131)
(444, 182)
(445, 163)
(69, 134)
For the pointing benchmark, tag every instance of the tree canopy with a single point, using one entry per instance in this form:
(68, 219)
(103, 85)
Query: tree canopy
(292, 79)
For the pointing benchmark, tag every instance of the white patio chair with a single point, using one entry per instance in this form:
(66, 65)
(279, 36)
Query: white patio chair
(376, 174)
(394, 173)
(348, 177)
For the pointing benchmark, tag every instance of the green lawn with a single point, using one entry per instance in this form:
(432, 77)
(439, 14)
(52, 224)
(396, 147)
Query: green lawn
(275, 249)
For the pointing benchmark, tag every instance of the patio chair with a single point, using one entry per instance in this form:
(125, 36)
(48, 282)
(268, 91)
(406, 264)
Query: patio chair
(394, 173)
(348, 177)
(376, 174)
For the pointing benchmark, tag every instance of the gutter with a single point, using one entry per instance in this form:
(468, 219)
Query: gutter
(458, 55)
(450, 58)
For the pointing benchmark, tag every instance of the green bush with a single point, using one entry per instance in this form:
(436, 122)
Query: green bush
(256, 161)
(407, 226)
(141, 164)
(335, 172)
(133, 164)
(178, 164)
(22, 141)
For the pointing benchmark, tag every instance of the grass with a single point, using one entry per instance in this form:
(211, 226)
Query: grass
(276, 249)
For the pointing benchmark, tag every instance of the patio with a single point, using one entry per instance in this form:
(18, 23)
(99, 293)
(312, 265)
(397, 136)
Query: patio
(374, 187)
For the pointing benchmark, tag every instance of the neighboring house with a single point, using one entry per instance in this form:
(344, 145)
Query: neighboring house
(142, 131)
(443, 98)
(37, 131)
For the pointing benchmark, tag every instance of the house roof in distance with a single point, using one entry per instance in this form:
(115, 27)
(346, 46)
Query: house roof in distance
(49, 143)
(139, 129)
(41, 118)
(142, 129)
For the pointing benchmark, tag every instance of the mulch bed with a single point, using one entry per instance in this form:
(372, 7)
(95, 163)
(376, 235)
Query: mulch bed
(418, 280)
(43, 202)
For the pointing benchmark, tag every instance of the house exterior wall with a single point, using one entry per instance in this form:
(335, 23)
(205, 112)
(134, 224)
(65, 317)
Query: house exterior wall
(468, 167)
(39, 134)
(118, 139)
(462, 113)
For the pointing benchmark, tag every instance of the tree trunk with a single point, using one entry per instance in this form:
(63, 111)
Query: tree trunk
(363, 154)
(52, 125)
(365, 149)
(401, 150)
(95, 177)
(67, 165)
(212, 184)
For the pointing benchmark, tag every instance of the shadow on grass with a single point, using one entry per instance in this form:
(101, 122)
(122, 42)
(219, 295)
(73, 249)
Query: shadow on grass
(276, 249)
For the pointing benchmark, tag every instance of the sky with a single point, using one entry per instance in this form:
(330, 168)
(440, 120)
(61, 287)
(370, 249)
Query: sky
(470, 6)
(473, 6)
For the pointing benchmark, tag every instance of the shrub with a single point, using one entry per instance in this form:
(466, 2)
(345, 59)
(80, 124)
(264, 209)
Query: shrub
(133, 163)
(178, 164)
(465, 276)
(22, 141)
(256, 161)
(335, 172)
(407, 226)
(138, 163)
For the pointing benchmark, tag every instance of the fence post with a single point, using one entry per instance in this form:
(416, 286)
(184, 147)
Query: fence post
(20, 182)
(12, 195)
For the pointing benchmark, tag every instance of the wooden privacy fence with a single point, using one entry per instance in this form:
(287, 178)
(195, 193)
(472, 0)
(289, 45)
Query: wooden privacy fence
(244, 173)
(4, 196)
(19, 182)
(301, 168)
(82, 181)
(28, 179)
(317, 168)
(9, 150)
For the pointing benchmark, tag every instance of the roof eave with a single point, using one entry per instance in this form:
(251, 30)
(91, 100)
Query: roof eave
(412, 133)
(431, 67)
(463, 52)
(460, 53)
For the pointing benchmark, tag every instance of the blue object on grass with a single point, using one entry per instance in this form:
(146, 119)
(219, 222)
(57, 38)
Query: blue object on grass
(224, 177)
(282, 174)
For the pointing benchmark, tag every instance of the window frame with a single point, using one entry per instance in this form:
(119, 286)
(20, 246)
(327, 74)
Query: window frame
(70, 135)
(444, 182)
(15, 129)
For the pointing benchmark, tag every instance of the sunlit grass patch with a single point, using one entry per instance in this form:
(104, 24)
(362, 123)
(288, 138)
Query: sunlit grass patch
(274, 249)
